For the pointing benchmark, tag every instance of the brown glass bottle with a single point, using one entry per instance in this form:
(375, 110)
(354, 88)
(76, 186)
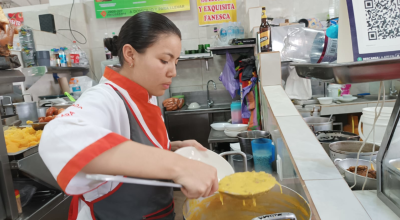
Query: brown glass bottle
(264, 33)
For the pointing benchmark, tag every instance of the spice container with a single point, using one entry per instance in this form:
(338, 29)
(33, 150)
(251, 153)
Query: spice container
(263, 154)
(18, 198)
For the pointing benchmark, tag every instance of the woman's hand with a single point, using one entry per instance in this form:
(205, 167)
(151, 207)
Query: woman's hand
(188, 143)
(197, 178)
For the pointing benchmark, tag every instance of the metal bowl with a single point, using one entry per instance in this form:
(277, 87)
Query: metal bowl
(344, 164)
(246, 137)
(270, 202)
(349, 149)
(327, 137)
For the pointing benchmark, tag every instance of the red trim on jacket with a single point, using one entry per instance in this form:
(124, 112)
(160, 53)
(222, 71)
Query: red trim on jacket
(86, 155)
(141, 98)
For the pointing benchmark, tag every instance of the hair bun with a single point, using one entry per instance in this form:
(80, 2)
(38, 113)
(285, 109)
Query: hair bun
(112, 45)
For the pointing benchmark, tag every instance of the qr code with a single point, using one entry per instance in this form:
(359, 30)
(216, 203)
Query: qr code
(383, 19)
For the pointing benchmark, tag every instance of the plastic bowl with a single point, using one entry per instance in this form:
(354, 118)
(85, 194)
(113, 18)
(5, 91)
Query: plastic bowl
(208, 157)
(232, 133)
(325, 100)
(236, 127)
(219, 126)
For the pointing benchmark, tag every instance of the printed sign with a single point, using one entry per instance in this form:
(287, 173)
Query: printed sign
(17, 19)
(125, 8)
(374, 26)
(216, 11)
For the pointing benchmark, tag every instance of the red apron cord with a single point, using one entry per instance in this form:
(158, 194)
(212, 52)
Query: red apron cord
(149, 217)
(73, 208)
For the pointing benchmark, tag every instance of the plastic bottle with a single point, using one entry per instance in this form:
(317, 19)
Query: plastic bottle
(63, 59)
(235, 30)
(28, 46)
(307, 45)
(223, 34)
(68, 56)
(241, 30)
(75, 88)
(230, 31)
(83, 60)
(53, 61)
(334, 8)
(236, 112)
(75, 54)
(57, 55)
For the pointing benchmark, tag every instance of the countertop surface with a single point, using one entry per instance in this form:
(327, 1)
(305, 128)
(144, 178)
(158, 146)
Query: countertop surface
(376, 209)
(220, 137)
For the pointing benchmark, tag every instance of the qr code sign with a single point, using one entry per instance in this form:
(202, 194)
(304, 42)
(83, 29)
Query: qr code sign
(383, 19)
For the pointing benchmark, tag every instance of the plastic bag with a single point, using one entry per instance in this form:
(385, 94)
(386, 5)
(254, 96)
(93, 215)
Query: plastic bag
(296, 87)
(227, 76)
(84, 82)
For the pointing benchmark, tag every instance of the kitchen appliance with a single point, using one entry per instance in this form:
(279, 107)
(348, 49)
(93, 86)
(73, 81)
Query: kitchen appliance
(270, 202)
(344, 164)
(26, 111)
(349, 149)
(246, 137)
(328, 137)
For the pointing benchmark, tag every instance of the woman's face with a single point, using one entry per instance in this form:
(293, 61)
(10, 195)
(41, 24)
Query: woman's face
(155, 68)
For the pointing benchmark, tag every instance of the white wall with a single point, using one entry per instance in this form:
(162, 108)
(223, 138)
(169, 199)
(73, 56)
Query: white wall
(191, 75)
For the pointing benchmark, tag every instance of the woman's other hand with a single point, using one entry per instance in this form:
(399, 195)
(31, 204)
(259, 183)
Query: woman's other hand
(197, 178)
(188, 143)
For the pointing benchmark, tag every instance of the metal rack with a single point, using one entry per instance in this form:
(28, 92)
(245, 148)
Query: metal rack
(247, 49)
(354, 72)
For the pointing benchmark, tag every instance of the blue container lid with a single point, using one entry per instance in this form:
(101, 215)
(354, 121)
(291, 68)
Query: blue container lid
(236, 105)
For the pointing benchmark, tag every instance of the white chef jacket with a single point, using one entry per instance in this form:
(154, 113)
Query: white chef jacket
(98, 121)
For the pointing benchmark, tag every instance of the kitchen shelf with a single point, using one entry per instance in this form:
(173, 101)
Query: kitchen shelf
(39, 70)
(234, 49)
(199, 56)
(353, 72)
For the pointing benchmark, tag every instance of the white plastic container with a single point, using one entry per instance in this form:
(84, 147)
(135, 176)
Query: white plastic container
(367, 121)
(334, 91)
(325, 100)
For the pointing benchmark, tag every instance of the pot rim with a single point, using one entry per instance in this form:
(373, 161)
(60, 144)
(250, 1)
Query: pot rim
(308, 204)
(352, 142)
(23, 103)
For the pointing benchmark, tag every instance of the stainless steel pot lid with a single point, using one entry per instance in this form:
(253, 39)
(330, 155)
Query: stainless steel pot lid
(334, 136)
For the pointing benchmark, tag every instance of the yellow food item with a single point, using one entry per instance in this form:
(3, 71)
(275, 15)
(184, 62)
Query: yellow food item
(29, 122)
(20, 139)
(247, 183)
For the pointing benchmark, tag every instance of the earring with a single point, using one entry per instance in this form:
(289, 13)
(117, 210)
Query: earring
(131, 65)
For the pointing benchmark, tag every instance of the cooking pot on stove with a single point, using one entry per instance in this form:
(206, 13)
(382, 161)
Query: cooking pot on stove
(270, 202)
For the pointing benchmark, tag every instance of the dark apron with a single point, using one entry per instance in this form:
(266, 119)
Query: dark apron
(131, 201)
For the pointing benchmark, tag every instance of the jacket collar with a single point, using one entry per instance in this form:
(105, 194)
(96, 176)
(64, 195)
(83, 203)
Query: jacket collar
(130, 86)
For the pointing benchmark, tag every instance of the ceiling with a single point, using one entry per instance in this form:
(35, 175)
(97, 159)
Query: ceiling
(21, 3)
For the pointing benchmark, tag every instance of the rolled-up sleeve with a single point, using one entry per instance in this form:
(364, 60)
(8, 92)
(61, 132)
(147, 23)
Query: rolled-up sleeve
(96, 123)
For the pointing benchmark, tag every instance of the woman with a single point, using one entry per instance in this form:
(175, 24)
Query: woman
(115, 128)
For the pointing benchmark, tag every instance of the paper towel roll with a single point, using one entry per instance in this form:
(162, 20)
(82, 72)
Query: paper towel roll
(63, 82)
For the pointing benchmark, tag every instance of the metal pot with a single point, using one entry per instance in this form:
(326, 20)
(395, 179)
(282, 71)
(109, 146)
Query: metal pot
(344, 164)
(26, 111)
(328, 137)
(42, 111)
(319, 123)
(246, 137)
(270, 202)
(349, 149)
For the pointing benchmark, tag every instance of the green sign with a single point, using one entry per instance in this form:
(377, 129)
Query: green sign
(124, 8)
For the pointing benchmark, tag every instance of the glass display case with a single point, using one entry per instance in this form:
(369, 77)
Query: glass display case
(388, 163)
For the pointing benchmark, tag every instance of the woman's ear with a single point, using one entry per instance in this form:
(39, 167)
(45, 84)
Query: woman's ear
(129, 55)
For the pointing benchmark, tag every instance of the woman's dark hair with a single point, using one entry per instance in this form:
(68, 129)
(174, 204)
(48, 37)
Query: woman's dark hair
(141, 31)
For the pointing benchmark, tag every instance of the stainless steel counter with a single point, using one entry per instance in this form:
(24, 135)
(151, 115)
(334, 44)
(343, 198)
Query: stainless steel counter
(219, 137)
(202, 109)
